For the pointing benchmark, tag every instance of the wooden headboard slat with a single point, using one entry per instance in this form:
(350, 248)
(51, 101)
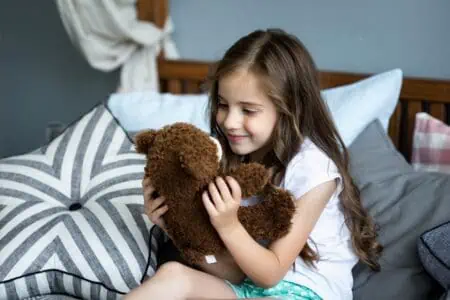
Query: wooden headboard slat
(154, 11)
(447, 109)
(412, 88)
(414, 107)
(175, 86)
(183, 69)
(330, 79)
(394, 125)
(192, 87)
(437, 110)
(430, 89)
(403, 124)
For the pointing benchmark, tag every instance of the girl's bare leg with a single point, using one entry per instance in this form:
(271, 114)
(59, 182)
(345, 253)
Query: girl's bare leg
(174, 281)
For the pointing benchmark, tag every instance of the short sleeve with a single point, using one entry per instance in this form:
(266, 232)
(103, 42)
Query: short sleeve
(308, 169)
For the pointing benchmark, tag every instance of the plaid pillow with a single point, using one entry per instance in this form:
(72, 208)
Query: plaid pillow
(431, 144)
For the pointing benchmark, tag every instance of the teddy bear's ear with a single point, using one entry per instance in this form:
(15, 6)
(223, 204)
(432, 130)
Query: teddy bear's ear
(144, 140)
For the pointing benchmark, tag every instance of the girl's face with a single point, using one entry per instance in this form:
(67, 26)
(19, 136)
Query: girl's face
(245, 114)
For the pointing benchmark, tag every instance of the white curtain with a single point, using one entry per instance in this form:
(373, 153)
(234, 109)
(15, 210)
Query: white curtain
(109, 35)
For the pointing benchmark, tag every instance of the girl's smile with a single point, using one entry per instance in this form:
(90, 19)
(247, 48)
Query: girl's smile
(236, 139)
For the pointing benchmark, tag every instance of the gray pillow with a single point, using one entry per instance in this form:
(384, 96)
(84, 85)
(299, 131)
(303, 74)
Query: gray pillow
(445, 296)
(404, 203)
(434, 253)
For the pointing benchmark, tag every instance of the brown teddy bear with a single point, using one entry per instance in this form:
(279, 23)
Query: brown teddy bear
(181, 161)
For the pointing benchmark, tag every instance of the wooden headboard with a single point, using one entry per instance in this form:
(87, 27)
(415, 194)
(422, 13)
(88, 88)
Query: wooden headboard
(417, 94)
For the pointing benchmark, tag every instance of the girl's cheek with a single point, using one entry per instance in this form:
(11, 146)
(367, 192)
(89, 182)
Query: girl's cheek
(249, 124)
(219, 118)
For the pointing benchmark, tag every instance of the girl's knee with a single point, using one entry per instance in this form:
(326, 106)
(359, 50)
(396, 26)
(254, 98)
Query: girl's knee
(170, 278)
(175, 276)
(174, 271)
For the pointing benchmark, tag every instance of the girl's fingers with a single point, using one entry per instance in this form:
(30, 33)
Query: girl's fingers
(145, 181)
(156, 217)
(235, 188)
(151, 205)
(223, 189)
(156, 203)
(209, 206)
(157, 213)
(216, 197)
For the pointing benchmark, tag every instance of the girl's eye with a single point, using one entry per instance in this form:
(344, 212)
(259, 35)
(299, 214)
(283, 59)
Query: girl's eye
(222, 105)
(250, 111)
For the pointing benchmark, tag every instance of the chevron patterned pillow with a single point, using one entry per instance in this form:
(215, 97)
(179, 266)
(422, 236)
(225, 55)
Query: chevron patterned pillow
(71, 215)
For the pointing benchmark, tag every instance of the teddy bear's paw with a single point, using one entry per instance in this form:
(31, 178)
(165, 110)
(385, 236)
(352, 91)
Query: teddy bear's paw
(252, 178)
(282, 207)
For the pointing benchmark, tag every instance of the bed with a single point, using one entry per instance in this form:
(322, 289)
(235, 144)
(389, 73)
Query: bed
(410, 206)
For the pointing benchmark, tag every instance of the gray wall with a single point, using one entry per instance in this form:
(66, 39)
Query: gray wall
(346, 35)
(44, 79)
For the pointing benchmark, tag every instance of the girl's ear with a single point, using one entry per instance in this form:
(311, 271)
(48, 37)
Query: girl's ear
(144, 140)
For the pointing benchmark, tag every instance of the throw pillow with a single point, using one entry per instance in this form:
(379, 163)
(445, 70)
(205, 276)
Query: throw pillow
(434, 252)
(71, 215)
(152, 110)
(431, 144)
(356, 105)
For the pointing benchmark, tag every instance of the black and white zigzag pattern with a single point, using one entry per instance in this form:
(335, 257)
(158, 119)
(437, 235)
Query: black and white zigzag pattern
(71, 215)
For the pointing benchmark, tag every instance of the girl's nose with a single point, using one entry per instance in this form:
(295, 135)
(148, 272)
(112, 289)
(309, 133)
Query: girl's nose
(232, 121)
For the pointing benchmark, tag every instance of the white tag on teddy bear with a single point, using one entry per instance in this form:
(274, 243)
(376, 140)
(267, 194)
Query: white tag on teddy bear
(210, 259)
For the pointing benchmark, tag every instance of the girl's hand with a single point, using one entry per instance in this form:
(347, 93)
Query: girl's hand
(222, 203)
(153, 207)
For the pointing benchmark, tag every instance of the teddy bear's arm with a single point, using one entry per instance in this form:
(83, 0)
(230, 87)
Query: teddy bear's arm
(252, 178)
(271, 218)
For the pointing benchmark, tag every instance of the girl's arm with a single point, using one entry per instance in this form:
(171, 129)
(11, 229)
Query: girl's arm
(265, 267)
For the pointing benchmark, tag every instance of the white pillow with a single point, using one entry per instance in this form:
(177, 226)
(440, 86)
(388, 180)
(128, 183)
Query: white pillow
(152, 110)
(356, 105)
(352, 106)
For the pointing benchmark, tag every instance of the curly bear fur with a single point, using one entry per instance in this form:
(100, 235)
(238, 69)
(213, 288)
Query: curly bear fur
(181, 161)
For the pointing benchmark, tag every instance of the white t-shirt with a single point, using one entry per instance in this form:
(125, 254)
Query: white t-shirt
(331, 277)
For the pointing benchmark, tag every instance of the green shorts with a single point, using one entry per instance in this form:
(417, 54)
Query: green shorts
(283, 290)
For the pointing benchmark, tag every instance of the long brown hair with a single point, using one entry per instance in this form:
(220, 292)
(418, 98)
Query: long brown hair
(289, 76)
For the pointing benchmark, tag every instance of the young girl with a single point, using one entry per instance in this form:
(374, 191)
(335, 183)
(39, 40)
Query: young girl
(266, 107)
